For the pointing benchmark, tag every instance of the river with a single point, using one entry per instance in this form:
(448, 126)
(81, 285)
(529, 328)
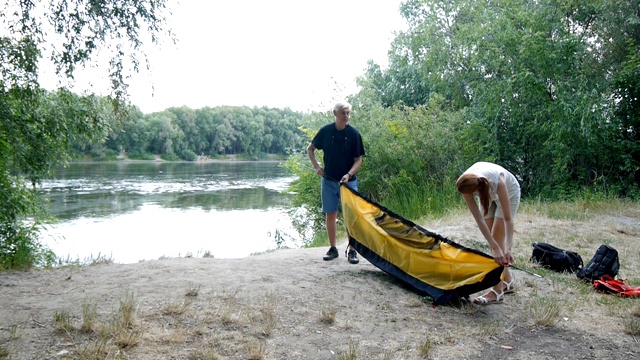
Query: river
(135, 211)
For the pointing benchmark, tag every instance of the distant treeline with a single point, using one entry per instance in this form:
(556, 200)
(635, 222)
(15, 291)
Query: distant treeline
(184, 133)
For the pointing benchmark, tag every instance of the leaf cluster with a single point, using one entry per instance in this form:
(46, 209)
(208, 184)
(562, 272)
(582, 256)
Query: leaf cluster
(549, 89)
(38, 128)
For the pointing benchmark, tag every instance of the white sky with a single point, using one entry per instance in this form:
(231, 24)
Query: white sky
(277, 53)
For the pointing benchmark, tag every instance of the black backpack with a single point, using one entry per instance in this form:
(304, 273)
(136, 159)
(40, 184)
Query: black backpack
(604, 262)
(555, 258)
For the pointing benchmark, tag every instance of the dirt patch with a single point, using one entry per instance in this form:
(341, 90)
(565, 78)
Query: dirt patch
(290, 304)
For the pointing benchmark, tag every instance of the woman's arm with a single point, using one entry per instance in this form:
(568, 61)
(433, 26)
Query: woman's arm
(496, 251)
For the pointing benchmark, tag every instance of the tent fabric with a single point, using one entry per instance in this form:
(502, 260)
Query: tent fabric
(444, 270)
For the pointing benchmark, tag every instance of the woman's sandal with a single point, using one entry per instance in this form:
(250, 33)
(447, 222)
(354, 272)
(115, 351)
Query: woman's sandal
(508, 286)
(482, 300)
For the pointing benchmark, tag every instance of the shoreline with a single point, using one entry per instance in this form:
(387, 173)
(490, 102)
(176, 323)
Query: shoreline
(158, 158)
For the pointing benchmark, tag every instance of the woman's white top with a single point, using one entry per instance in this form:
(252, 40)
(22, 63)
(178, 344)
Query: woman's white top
(492, 173)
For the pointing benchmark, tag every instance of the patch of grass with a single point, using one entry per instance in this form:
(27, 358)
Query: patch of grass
(561, 210)
(204, 354)
(467, 308)
(95, 350)
(127, 338)
(631, 323)
(488, 328)
(426, 348)
(229, 319)
(631, 326)
(328, 316)
(4, 353)
(256, 350)
(193, 290)
(127, 310)
(545, 311)
(15, 332)
(88, 261)
(207, 254)
(89, 317)
(269, 319)
(63, 321)
(351, 353)
(174, 336)
(176, 308)
(98, 260)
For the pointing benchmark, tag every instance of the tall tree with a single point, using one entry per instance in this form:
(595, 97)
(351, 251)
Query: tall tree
(551, 81)
(36, 126)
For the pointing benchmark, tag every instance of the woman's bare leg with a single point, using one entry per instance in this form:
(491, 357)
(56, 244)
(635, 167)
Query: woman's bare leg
(498, 233)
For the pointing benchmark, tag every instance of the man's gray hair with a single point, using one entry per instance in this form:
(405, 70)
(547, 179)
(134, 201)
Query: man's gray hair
(341, 105)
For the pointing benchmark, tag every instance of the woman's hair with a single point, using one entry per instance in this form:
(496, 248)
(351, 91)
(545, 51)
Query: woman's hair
(468, 183)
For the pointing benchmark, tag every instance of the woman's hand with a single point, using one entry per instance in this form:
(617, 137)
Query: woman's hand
(509, 259)
(499, 256)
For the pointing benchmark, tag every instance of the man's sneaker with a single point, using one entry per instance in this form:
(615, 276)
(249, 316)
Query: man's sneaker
(353, 257)
(331, 254)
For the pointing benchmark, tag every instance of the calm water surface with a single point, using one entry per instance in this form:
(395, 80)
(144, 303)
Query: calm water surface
(137, 211)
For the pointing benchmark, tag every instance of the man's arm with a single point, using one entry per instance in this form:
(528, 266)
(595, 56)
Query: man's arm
(357, 162)
(311, 152)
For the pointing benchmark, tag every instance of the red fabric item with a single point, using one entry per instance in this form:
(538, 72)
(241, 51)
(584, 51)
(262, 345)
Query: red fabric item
(609, 285)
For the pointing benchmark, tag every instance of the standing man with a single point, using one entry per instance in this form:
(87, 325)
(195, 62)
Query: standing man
(342, 149)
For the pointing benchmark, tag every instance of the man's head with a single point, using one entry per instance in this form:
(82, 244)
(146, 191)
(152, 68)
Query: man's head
(341, 105)
(342, 111)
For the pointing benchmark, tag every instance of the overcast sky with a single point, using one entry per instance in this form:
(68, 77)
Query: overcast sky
(275, 53)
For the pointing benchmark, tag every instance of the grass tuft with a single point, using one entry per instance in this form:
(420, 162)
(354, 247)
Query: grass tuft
(63, 321)
(426, 348)
(351, 353)
(631, 323)
(631, 326)
(176, 308)
(193, 290)
(328, 316)
(15, 332)
(89, 317)
(204, 354)
(95, 350)
(256, 350)
(128, 310)
(269, 319)
(545, 311)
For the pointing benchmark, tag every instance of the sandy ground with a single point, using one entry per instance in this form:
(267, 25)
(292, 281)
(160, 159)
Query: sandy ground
(290, 304)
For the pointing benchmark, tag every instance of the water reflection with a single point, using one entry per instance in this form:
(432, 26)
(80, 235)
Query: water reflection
(166, 209)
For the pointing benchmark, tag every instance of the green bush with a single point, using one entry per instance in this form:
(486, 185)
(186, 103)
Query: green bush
(20, 248)
(101, 153)
(140, 155)
(187, 155)
(170, 157)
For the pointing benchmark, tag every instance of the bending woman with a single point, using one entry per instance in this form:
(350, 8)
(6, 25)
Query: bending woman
(499, 197)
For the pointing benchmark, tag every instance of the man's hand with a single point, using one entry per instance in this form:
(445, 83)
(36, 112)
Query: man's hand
(320, 171)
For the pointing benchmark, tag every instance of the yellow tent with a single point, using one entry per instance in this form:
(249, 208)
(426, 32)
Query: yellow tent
(444, 270)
